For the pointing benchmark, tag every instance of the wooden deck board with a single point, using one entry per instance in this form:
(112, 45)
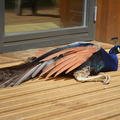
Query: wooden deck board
(61, 98)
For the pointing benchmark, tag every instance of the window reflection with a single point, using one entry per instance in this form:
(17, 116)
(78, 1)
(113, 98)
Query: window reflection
(34, 15)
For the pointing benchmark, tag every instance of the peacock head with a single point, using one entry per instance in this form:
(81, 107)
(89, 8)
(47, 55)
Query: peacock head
(115, 49)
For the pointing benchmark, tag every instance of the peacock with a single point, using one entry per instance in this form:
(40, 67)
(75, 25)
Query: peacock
(85, 61)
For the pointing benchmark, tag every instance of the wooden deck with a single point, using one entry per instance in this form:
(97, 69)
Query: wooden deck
(59, 99)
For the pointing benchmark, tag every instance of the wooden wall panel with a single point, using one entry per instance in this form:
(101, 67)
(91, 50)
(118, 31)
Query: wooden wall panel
(71, 12)
(108, 20)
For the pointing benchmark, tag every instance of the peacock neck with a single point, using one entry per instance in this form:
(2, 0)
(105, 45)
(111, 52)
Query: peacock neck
(110, 60)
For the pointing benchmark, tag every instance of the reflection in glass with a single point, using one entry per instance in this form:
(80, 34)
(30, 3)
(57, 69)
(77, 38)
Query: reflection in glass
(35, 15)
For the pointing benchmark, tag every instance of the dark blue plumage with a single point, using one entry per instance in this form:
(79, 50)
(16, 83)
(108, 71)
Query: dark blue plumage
(81, 59)
(110, 60)
(101, 61)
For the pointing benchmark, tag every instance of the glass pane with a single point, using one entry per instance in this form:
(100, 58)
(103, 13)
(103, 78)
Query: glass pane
(36, 15)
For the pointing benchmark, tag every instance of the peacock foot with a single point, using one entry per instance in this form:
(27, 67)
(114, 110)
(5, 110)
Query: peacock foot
(105, 78)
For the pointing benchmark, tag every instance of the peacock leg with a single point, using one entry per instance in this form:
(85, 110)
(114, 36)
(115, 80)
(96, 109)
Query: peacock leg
(105, 78)
(83, 75)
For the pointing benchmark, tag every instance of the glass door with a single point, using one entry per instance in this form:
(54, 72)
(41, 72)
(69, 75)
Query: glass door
(39, 23)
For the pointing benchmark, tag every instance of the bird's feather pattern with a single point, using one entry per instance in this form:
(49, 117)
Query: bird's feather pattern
(65, 59)
(73, 63)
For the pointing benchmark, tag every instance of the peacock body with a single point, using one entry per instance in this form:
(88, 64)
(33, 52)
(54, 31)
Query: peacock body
(83, 60)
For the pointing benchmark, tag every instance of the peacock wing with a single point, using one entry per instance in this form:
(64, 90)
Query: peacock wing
(71, 59)
(54, 62)
(66, 51)
(65, 47)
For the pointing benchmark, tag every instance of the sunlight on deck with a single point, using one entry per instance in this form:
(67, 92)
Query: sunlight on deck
(60, 98)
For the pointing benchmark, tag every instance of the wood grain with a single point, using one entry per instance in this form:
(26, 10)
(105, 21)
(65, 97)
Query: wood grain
(62, 98)
(108, 20)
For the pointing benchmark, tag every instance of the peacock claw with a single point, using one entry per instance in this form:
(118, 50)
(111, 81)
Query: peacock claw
(106, 81)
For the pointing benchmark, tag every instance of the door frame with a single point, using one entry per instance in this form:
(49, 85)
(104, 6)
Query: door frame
(26, 40)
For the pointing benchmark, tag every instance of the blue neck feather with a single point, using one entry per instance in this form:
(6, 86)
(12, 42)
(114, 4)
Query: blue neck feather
(110, 59)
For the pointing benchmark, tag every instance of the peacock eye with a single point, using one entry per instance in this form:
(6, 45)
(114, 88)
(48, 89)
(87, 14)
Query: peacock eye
(118, 49)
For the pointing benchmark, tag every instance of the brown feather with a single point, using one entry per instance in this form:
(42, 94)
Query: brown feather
(70, 61)
(66, 64)
(64, 52)
(78, 63)
(60, 61)
(71, 64)
(84, 58)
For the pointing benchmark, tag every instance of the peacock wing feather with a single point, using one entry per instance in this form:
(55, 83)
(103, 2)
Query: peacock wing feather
(53, 62)
(56, 50)
(70, 61)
